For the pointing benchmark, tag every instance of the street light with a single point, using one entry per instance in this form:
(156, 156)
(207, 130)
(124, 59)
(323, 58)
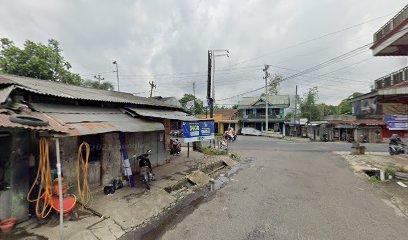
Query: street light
(117, 72)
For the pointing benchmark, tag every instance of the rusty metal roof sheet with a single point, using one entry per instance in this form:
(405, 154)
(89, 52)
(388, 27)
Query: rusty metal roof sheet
(62, 90)
(164, 114)
(53, 126)
(84, 120)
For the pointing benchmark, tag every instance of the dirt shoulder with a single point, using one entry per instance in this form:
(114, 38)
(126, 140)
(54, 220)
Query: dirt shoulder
(398, 195)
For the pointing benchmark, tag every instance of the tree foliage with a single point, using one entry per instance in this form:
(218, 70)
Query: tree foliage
(199, 106)
(273, 84)
(37, 60)
(345, 105)
(308, 107)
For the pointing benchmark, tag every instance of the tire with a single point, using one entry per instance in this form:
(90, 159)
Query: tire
(146, 180)
(28, 120)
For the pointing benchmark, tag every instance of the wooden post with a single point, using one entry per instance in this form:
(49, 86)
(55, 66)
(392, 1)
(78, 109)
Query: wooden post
(188, 150)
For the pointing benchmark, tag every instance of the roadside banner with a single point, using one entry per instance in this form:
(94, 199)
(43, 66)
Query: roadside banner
(198, 131)
(396, 122)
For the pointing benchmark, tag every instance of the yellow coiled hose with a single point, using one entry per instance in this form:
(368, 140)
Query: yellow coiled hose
(43, 201)
(82, 174)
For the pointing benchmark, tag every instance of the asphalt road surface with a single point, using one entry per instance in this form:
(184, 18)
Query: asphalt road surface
(293, 191)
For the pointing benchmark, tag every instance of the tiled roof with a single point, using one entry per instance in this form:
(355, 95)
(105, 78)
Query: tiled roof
(228, 113)
(62, 90)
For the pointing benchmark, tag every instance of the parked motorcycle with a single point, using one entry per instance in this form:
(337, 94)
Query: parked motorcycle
(175, 146)
(396, 146)
(146, 168)
(364, 138)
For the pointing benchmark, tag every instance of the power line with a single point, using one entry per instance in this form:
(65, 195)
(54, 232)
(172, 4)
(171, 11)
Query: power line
(334, 60)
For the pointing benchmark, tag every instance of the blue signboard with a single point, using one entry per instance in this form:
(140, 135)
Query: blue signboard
(396, 122)
(198, 131)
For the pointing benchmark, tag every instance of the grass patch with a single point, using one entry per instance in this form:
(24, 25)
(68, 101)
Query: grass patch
(213, 151)
(374, 179)
(390, 171)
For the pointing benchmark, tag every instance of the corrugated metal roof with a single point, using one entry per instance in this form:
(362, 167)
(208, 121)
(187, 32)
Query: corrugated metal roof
(70, 109)
(53, 126)
(273, 100)
(84, 120)
(63, 90)
(163, 114)
(359, 122)
(129, 125)
(5, 93)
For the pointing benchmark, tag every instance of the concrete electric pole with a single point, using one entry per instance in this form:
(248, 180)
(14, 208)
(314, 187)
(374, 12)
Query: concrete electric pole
(117, 72)
(152, 85)
(267, 74)
(99, 78)
(211, 77)
(194, 106)
(294, 117)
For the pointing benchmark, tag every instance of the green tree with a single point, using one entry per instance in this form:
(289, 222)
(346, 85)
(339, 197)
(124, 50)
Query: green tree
(95, 84)
(273, 84)
(37, 60)
(199, 106)
(308, 107)
(235, 106)
(345, 105)
(326, 110)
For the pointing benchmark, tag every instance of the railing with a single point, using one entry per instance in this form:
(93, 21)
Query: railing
(391, 24)
(392, 78)
(262, 116)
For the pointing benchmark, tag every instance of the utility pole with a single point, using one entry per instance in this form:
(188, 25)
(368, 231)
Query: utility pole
(152, 85)
(99, 78)
(194, 106)
(117, 72)
(210, 79)
(267, 74)
(209, 87)
(294, 117)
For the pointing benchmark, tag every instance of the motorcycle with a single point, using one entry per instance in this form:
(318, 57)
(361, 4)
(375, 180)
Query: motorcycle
(146, 168)
(396, 149)
(175, 147)
(396, 146)
(229, 137)
(364, 138)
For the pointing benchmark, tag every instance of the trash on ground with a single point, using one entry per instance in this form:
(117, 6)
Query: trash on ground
(402, 184)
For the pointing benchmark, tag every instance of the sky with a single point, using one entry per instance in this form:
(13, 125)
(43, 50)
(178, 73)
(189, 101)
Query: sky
(167, 42)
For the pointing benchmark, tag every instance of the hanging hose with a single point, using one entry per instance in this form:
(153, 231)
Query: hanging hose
(82, 173)
(43, 200)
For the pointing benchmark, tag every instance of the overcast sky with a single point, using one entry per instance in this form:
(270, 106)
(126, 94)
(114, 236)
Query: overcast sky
(167, 41)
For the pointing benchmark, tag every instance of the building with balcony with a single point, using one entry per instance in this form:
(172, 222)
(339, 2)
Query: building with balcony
(392, 38)
(252, 112)
(388, 102)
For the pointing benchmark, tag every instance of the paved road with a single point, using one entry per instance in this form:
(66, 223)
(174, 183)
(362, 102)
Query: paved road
(293, 191)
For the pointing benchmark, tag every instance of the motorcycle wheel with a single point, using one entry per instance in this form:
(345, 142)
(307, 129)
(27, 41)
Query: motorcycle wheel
(146, 180)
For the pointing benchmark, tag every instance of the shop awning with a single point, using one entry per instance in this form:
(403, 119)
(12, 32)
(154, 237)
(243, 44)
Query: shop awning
(92, 120)
(164, 114)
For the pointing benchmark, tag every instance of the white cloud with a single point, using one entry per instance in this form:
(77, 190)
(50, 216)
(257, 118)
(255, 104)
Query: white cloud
(149, 38)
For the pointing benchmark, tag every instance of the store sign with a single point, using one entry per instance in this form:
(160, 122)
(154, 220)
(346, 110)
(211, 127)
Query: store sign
(396, 122)
(198, 131)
